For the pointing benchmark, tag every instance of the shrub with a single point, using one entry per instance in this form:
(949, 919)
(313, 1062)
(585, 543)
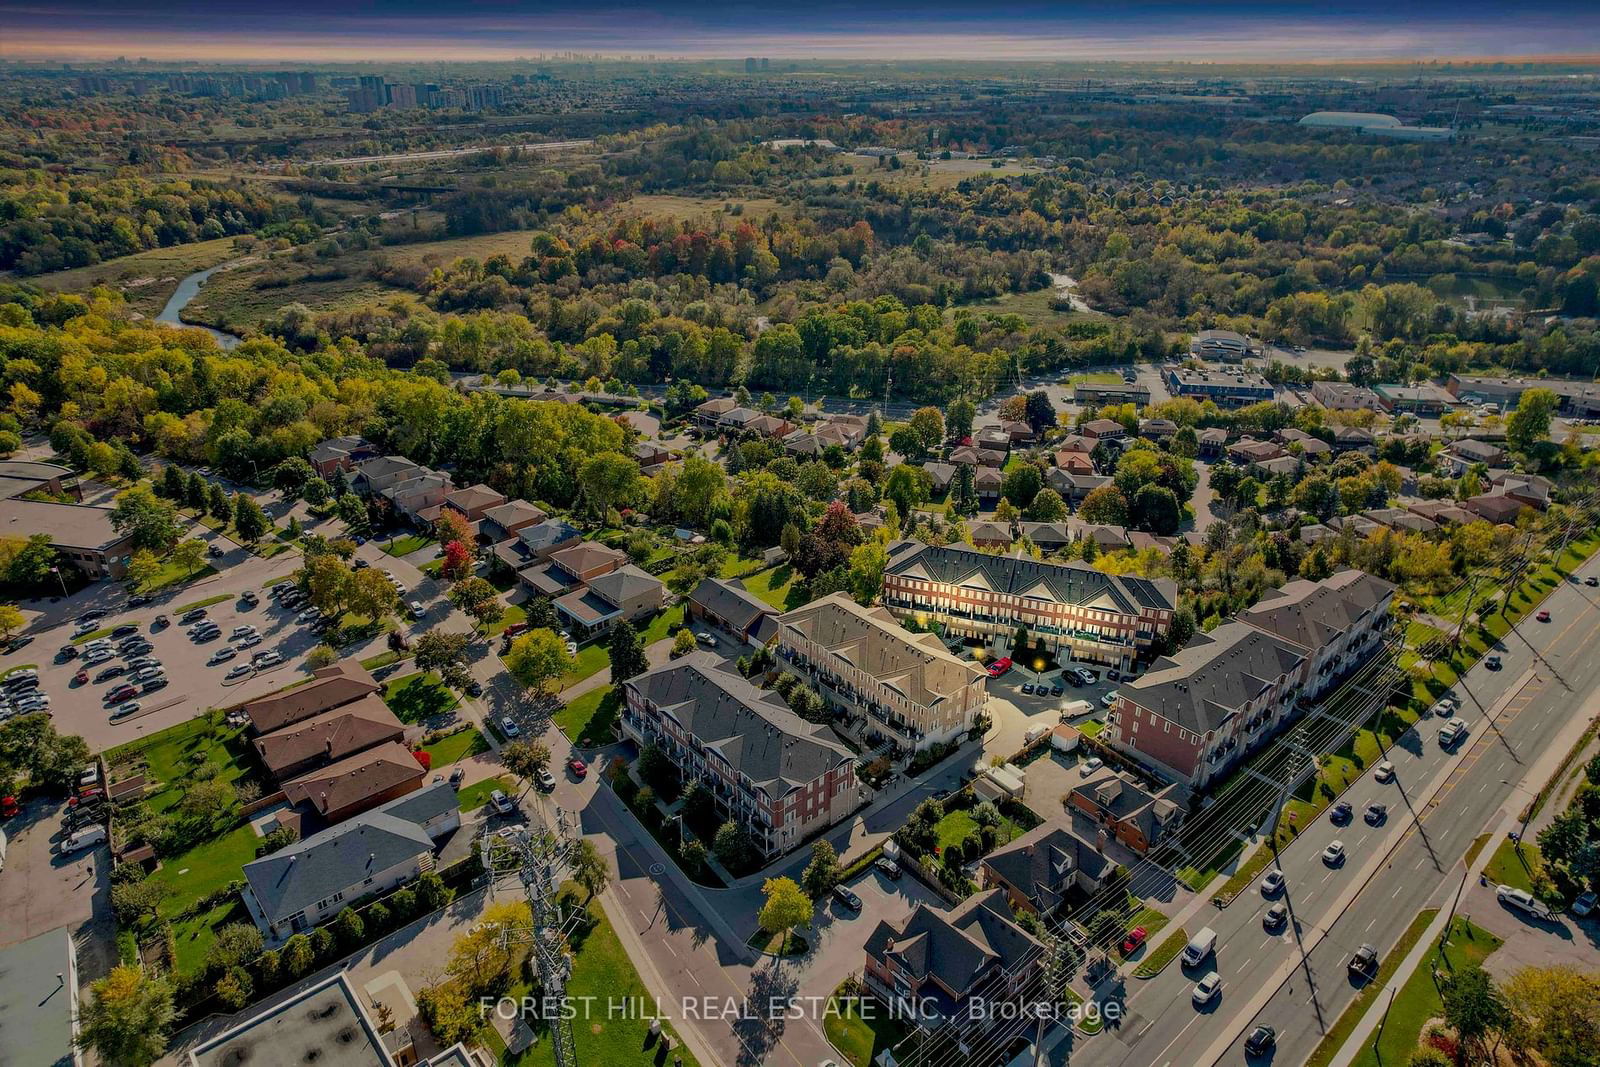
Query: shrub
(378, 917)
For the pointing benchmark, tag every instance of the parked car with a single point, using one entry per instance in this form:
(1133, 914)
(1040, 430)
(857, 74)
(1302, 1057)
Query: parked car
(250, 640)
(1584, 904)
(501, 802)
(416, 609)
(66, 652)
(99, 655)
(1056, 690)
(241, 631)
(509, 727)
(544, 779)
(1522, 901)
(578, 768)
(87, 837)
(1090, 765)
(122, 711)
(1135, 939)
(124, 629)
(888, 866)
(110, 673)
(1110, 699)
(270, 658)
(846, 898)
(239, 670)
(1027, 688)
(999, 666)
(222, 655)
(139, 600)
(192, 615)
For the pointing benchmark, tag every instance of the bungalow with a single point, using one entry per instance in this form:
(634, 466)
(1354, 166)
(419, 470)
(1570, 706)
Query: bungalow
(1021, 433)
(650, 456)
(572, 567)
(1039, 870)
(1074, 462)
(1289, 466)
(1249, 450)
(1401, 519)
(626, 594)
(1442, 512)
(1359, 525)
(768, 426)
(737, 419)
(1462, 454)
(1048, 536)
(941, 474)
(728, 605)
(357, 783)
(967, 456)
(1314, 448)
(1105, 537)
(1316, 533)
(534, 544)
(994, 438)
(1495, 507)
(1074, 442)
(311, 881)
(1158, 429)
(472, 502)
(1126, 810)
(1530, 489)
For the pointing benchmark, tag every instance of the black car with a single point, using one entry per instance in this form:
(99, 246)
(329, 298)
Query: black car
(1365, 962)
(67, 652)
(193, 615)
(138, 600)
(92, 615)
(153, 684)
(1376, 813)
(1056, 690)
(474, 688)
(124, 629)
(1261, 1041)
(110, 672)
(214, 551)
(846, 898)
(1340, 813)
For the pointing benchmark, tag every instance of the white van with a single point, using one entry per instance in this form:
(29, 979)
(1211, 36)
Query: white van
(1199, 947)
(87, 837)
(1073, 708)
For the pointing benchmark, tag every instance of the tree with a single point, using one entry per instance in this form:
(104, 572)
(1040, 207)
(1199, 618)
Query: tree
(683, 643)
(1530, 423)
(481, 959)
(451, 525)
(445, 654)
(958, 418)
(1473, 1008)
(1039, 413)
(248, 518)
(370, 593)
(1155, 508)
(1560, 1008)
(538, 658)
(609, 480)
(867, 564)
(927, 424)
(733, 847)
(291, 476)
(126, 1017)
(447, 1008)
(964, 493)
(297, 956)
(11, 620)
(1104, 506)
(1021, 484)
(694, 857)
(218, 504)
(143, 568)
(786, 907)
(173, 483)
(151, 523)
(189, 554)
(907, 486)
(479, 599)
(627, 652)
(349, 927)
(132, 901)
(525, 758)
(205, 800)
(457, 562)
(327, 580)
(823, 872)
(1047, 506)
(589, 868)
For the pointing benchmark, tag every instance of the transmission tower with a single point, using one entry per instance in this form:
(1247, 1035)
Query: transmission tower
(538, 857)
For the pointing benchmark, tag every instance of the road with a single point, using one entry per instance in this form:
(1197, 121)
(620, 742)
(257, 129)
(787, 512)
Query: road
(1439, 802)
(446, 153)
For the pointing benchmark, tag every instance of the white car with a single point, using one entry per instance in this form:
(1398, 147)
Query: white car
(309, 615)
(1384, 772)
(1446, 707)
(509, 727)
(250, 640)
(1522, 900)
(416, 609)
(572, 648)
(1089, 766)
(241, 631)
(1333, 855)
(98, 656)
(223, 655)
(270, 658)
(1109, 699)
(239, 670)
(1272, 884)
(1206, 990)
(122, 711)
(86, 627)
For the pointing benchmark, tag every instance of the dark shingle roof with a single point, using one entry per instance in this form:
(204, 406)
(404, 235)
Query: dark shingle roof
(1043, 863)
(956, 945)
(1202, 684)
(1070, 583)
(1311, 614)
(730, 600)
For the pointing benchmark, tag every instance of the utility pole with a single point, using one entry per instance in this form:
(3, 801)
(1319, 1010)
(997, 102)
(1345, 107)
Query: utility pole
(1378, 1036)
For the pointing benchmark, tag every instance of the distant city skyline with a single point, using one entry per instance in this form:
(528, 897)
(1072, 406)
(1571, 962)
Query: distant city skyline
(411, 31)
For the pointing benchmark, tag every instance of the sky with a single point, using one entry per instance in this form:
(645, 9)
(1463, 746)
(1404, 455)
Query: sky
(433, 30)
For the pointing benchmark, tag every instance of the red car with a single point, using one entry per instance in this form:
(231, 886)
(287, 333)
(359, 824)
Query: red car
(1131, 943)
(1544, 615)
(81, 678)
(999, 666)
(8, 806)
(577, 767)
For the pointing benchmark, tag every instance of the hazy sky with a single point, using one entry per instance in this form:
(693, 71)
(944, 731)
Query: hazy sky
(326, 30)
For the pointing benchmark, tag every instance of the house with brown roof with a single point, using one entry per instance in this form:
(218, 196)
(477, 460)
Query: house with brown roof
(1495, 507)
(1103, 430)
(571, 567)
(1126, 810)
(1249, 450)
(330, 687)
(1074, 462)
(357, 783)
(626, 594)
(340, 454)
(988, 481)
(473, 501)
(990, 534)
(329, 737)
(968, 456)
(504, 520)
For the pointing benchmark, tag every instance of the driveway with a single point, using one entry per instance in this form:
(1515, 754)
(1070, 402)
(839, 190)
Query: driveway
(1564, 940)
(837, 934)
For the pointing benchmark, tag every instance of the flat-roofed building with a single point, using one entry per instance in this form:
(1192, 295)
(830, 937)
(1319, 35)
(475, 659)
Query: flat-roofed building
(1225, 346)
(1073, 609)
(907, 686)
(1423, 399)
(1575, 396)
(1098, 395)
(83, 535)
(1224, 388)
(1345, 396)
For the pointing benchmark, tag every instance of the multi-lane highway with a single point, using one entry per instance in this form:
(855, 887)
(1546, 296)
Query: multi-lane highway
(1295, 978)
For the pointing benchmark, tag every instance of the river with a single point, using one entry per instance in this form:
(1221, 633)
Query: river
(187, 290)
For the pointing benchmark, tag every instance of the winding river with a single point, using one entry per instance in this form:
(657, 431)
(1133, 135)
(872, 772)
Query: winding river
(187, 290)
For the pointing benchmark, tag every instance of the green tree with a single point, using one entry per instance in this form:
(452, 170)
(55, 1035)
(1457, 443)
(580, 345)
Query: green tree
(525, 758)
(1047, 506)
(218, 503)
(733, 847)
(958, 418)
(1473, 1009)
(190, 555)
(1530, 423)
(349, 928)
(125, 1019)
(683, 643)
(249, 520)
(479, 599)
(786, 907)
(151, 523)
(1104, 506)
(589, 868)
(627, 652)
(11, 620)
(143, 568)
(445, 654)
(297, 956)
(823, 872)
(133, 901)
(538, 658)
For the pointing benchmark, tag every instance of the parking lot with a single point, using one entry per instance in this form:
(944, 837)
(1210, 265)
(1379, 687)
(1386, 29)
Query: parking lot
(45, 890)
(1016, 712)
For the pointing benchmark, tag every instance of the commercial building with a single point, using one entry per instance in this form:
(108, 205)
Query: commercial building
(1198, 711)
(311, 881)
(19, 477)
(906, 686)
(1093, 395)
(780, 777)
(1424, 399)
(1376, 125)
(1576, 397)
(953, 968)
(83, 535)
(1224, 388)
(1073, 609)
(1224, 346)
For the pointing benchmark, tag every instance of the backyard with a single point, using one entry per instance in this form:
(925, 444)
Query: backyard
(860, 1027)
(416, 698)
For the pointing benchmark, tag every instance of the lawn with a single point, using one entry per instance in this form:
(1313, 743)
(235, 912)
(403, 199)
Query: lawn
(418, 697)
(148, 278)
(197, 873)
(174, 755)
(1095, 377)
(777, 945)
(171, 574)
(589, 718)
(1507, 867)
(474, 796)
(602, 974)
(1091, 728)
(206, 603)
(589, 660)
(407, 544)
(860, 1028)
(1419, 1000)
(382, 659)
(664, 625)
(956, 825)
(1162, 954)
(514, 614)
(776, 587)
(457, 746)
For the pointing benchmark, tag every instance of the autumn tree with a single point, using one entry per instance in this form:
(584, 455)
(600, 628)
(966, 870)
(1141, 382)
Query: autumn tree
(538, 658)
(785, 908)
(125, 1019)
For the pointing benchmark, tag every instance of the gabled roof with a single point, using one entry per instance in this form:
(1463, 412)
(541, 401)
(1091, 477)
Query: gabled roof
(355, 778)
(513, 514)
(334, 734)
(956, 946)
(331, 686)
(870, 639)
(752, 729)
(1206, 682)
(475, 497)
(1068, 583)
(624, 584)
(1043, 863)
(1125, 800)
(1312, 614)
(730, 600)
(297, 877)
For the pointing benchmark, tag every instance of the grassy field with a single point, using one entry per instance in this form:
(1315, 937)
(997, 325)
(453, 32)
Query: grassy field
(1162, 954)
(589, 660)
(173, 758)
(602, 974)
(860, 1028)
(775, 586)
(171, 574)
(147, 279)
(1419, 1000)
(476, 795)
(406, 544)
(458, 746)
(664, 625)
(1034, 308)
(700, 208)
(1507, 867)
(417, 697)
(197, 873)
(587, 720)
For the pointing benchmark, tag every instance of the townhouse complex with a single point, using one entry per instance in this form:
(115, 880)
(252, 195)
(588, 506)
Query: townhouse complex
(775, 774)
(909, 688)
(1200, 710)
(1071, 608)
